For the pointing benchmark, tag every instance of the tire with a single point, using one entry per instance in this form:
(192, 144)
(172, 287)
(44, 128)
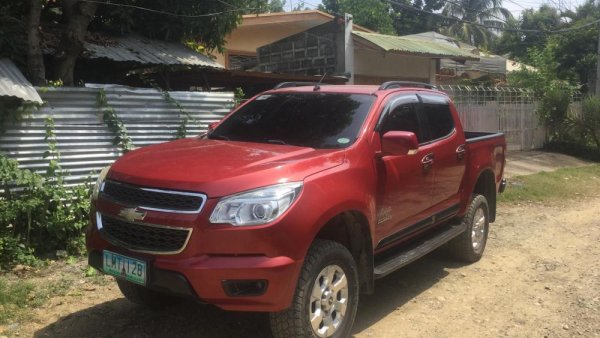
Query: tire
(324, 258)
(144, 296)
(469, 245)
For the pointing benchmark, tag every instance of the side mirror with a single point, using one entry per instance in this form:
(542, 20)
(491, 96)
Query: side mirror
(399, 143)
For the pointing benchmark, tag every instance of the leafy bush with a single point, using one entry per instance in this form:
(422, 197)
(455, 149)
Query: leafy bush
(554, 108)
(576, 149)
(586, 126)
(39, 213)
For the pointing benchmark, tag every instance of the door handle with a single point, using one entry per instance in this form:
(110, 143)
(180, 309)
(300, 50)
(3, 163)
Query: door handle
(460, 152)
(427, 162)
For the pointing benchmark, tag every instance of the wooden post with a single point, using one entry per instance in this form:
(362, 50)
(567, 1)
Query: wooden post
(598, 65)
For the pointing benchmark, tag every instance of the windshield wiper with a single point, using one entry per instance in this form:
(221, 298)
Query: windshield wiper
(214, 136)
(276, 141)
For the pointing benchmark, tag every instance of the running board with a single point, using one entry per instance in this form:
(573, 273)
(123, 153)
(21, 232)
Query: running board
(418, 250)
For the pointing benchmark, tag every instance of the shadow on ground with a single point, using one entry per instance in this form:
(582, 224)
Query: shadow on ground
(120, 318)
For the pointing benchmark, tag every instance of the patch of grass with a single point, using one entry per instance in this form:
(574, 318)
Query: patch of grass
(560, 184)
(16, 296)
(13, 298)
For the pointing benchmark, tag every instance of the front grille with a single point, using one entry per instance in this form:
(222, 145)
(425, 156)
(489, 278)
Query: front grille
(153, 199)
(144, 237)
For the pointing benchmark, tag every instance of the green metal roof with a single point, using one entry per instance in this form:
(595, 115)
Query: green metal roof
(403, 45)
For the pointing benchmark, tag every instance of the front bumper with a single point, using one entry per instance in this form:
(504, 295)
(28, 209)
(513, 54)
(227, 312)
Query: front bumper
(209, 278)
(252, 268)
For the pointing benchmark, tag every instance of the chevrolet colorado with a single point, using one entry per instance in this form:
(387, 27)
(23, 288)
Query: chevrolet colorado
(296, 202)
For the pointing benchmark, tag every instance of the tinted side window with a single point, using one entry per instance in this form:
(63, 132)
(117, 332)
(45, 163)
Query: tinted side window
(437, 121)
(402, 118)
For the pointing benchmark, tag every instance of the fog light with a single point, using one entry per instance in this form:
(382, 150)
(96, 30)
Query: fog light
(245, 288)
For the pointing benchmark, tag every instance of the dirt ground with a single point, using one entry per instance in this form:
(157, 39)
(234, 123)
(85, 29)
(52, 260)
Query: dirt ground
(540, 277)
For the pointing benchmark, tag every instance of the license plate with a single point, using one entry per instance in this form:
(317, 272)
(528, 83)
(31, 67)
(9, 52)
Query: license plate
(131, 269)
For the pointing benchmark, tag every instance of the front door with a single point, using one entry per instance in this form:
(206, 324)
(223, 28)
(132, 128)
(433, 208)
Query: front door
(404, 182)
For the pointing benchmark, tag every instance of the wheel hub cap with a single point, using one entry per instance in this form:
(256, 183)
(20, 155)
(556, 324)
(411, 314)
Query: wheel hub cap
(478, 230)
(328, 301)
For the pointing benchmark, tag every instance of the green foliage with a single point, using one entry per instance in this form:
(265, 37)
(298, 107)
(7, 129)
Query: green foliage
(275, 6)
(13, 36)
(185, 116)
(13, 110)
(114, 123)
(586, 126)
(38, 213)
(238, 96)
(574, 148)
(411, 21)
(516, 43)
(554, 108)
(484, 12)
(54, 170)
(208, 31)
(572, 52)
(555, 94)
(372, 14)
(13, 251)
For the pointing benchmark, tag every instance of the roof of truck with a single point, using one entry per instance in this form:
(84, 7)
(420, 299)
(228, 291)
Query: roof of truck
(349, 89)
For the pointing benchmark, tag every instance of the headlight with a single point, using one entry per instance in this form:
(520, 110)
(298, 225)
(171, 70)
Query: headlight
(99, 182)
(258, 206)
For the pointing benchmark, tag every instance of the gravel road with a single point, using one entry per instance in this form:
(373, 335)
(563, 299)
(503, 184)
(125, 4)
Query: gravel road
(540, 277)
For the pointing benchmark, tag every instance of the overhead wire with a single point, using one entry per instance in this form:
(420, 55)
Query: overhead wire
(508, 29)
(156, 11)
(401, 5)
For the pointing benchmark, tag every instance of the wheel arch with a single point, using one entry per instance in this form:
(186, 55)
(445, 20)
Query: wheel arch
(486, 186)
(351, 229)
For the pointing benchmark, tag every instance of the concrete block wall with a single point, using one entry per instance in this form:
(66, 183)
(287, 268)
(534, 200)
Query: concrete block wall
(313, 52)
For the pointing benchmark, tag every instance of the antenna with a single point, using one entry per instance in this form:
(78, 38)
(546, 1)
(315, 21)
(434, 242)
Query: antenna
(317, 86)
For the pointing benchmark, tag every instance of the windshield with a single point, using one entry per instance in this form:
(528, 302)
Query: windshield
(317, 120)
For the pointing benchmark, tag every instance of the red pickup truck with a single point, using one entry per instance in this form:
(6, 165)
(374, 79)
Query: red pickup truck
(296, 202)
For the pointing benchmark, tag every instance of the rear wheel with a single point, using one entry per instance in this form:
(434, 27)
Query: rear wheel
(144, 296)
(326, 296)
(469, 246)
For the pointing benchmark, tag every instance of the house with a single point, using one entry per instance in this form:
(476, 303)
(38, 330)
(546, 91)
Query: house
(133, 60)
(488, 65)
(257, 30)
(336, 48)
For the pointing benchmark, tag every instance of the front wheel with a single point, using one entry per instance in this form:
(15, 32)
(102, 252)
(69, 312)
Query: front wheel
(469, 245)
(326, 296)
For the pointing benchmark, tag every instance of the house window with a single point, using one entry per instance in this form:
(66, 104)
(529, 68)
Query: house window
(241, 61)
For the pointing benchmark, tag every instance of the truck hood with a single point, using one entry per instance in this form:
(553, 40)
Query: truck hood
(220, 168)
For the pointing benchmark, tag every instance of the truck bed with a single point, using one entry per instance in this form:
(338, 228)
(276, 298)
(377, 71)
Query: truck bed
(476, 136)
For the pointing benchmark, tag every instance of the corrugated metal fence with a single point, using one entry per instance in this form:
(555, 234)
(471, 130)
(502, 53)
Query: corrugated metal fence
(84, 141)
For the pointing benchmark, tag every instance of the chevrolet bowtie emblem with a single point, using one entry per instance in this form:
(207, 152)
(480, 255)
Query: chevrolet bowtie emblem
(132, 214)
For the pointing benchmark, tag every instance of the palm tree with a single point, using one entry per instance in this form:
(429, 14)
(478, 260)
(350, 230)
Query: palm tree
(474, 15)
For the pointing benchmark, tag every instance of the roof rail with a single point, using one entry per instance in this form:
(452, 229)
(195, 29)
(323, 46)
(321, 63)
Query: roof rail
(399, 84)
(294, 84)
